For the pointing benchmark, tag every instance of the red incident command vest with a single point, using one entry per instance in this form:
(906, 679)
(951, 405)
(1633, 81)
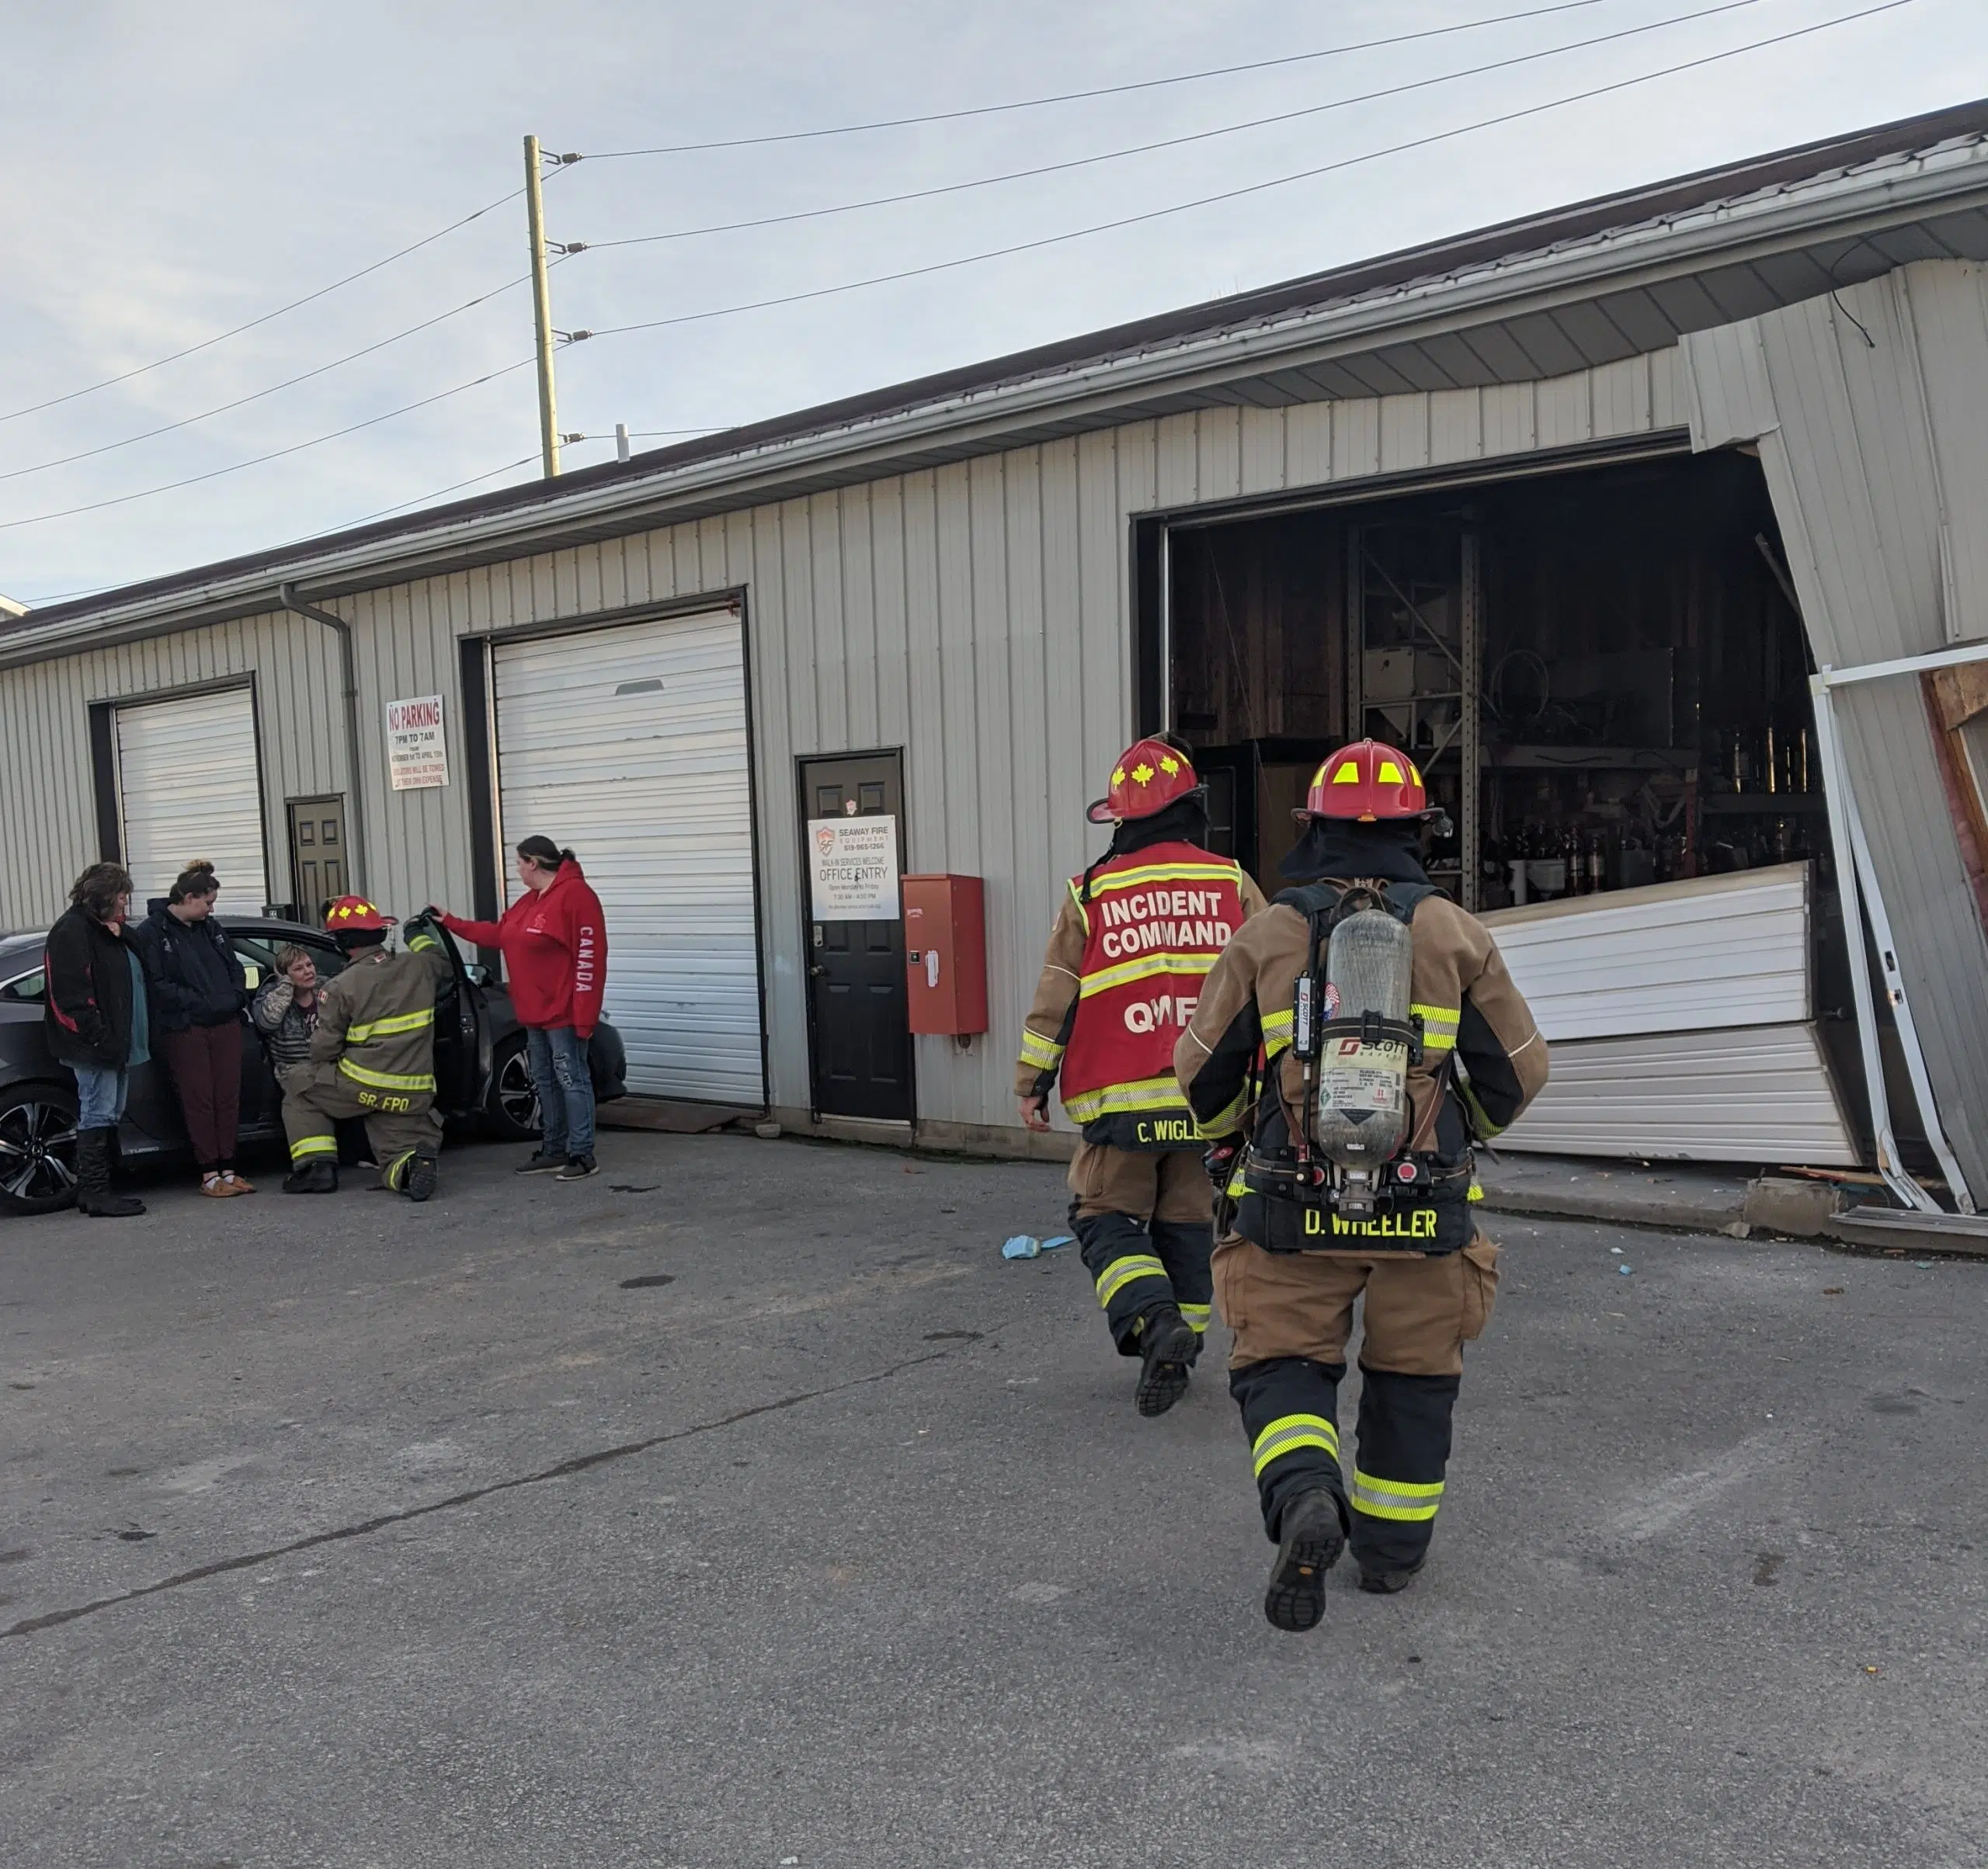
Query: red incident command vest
(1154, 923)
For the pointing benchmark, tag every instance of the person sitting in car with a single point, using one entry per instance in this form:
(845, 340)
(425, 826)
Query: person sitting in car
(284, 1012)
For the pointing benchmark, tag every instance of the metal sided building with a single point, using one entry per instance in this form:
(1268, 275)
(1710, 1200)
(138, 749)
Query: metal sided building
(1575, 508)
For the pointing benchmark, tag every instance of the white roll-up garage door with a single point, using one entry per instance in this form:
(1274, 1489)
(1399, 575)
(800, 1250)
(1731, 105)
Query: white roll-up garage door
(188, 786)
(629, 746)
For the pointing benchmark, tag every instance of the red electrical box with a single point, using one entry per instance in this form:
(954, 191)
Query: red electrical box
(945, 954)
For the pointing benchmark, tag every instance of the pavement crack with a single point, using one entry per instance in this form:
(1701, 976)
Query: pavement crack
(566, 1469)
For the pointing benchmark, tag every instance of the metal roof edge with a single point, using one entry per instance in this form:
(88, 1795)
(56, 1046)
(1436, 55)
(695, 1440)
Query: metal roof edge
(1845, 202)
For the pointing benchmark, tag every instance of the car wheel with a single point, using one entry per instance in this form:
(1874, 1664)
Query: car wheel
(510, 1110)
(37, 1149)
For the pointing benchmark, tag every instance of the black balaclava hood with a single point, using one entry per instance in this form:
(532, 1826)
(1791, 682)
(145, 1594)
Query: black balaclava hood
(1185, 821)
(1390, 850)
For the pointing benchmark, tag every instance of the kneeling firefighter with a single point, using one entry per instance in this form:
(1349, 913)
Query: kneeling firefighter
(372, 1055)
(1348, 1047)
(1135, 935)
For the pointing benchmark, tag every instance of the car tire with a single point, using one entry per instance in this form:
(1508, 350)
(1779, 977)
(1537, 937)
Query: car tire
(38, 1148)
(510, 1106)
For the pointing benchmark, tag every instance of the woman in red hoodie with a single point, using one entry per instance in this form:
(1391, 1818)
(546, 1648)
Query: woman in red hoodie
(554, 943)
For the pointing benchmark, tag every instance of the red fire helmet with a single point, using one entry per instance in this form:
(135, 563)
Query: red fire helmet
(1150, 775)
(1366, 781)
(355, 911)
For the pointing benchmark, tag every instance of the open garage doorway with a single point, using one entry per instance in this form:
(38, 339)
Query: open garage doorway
(1600, 673)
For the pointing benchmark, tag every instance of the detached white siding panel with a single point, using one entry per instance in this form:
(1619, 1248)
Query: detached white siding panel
(629, 745)
(1689, 957)
(1868, 405)
(1748, 1095)
(189, 786)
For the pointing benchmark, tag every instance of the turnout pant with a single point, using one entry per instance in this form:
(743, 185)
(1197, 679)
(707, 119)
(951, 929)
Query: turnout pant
(1144, 1224)
(397, 1122)
(1292, 1314)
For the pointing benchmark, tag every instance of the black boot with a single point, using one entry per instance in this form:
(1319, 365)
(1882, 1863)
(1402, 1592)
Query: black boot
(317, 1176)
(1388, 1583)
(1167, 1345)
(420, 1176)
(1310, 1539)
(93, 1194)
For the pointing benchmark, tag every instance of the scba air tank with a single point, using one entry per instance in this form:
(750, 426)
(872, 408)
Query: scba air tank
(1361, 1116)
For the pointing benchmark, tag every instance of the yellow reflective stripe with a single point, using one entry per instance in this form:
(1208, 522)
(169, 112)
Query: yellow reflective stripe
(416, 942)
(1289, 1432)
(381, 1028)
(1476, 1191)
(1403, 1499)
(384, 1080)
(1225, 1119)
(1196, 961)
(1277, 1027)
(1485, 1127)
(1238, 1185)
(1165, 872)
(1121, 1273)
(1147, 1093)
(1042, 1052)
(1439, 1025)
(396, 1170)
(306, 1147)
(1197, 1316)
(1083, 913)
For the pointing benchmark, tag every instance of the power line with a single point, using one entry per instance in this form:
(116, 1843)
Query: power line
(209, 343)
(1068, 97)
(279, 454)
(1198, 136)
(426, 499)
(1232, 194)
(168, 427)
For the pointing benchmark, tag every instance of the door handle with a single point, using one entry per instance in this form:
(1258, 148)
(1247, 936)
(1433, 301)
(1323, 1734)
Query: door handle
(815, 972)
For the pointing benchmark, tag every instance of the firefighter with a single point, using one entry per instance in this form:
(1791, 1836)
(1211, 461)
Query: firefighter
(1134, 937)
(1427, 1274)
(372, 1055)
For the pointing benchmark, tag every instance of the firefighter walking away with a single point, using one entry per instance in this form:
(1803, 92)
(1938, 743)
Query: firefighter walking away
(372, 1055)
(1348, 1047)
(1134, 937)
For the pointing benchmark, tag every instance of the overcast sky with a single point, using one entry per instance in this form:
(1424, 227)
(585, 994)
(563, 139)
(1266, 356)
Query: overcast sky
(173, 171)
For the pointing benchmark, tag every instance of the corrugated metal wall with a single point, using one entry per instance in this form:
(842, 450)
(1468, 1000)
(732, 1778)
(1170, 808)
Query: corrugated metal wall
(1870, 407)
(45, 747)
(976, 615)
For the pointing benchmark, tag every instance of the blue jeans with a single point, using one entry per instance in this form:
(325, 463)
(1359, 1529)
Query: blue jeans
(100, 1092)
(564, 1084)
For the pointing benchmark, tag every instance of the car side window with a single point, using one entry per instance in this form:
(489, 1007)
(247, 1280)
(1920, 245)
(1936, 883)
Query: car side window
(257, 956)
(25, 989)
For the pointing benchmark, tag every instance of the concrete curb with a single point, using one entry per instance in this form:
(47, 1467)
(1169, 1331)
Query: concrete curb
(1671, 1216)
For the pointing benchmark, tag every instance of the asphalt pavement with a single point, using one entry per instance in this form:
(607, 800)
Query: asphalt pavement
(742, 1506)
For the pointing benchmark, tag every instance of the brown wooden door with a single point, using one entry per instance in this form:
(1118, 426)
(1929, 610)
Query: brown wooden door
(318, 870)
(859, 1038)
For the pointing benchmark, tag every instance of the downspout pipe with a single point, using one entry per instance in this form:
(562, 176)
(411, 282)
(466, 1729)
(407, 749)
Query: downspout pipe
(348, 667)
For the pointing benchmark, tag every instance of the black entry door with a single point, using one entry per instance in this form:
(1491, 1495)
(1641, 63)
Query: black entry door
(859, 1047)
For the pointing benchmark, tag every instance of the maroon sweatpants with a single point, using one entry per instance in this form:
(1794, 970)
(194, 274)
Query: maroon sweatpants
(206, 1063)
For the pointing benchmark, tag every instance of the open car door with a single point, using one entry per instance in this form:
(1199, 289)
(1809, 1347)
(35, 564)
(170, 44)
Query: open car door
(459, 1040)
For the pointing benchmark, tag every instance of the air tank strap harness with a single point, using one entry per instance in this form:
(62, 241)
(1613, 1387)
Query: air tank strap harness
(1344, 1179)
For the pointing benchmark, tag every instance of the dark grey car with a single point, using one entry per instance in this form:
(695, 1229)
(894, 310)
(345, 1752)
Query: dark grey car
(480, 1068)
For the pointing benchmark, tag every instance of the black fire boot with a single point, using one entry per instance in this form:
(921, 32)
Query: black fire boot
(1166, 1347)
(1387, 1583)
(1310, 1538)
(93, 1194)
(420, 1176)
(318, 1175)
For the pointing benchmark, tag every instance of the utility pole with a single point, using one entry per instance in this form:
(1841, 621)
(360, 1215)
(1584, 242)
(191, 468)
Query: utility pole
(541, 307)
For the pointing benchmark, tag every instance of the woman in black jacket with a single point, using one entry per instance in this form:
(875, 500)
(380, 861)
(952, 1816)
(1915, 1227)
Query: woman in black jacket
(93, 1013)
(198, 991)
